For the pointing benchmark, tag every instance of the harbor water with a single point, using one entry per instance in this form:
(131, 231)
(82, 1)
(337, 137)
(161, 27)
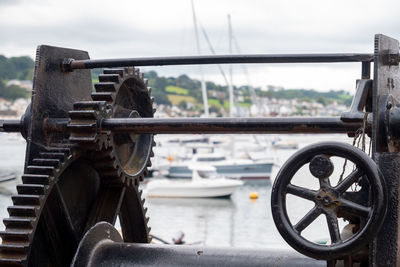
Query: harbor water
(235, 222)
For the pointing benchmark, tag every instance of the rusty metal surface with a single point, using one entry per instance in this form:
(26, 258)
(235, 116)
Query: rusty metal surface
(54, 92)
(384, 250)
(70, 64)
(66, 189)
(359, 103)
(293, 125)
(386, 85)
(101, 149)
(101, 247)
(231, 125)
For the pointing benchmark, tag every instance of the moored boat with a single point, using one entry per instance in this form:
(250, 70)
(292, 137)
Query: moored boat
(242, 169)
(205, 183)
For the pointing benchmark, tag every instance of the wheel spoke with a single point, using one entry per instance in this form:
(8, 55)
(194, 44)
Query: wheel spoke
(333, 226)
(106, 207)
(348, 181)
(301, 192)
(354, 208)
(307, 219)
(324, 183)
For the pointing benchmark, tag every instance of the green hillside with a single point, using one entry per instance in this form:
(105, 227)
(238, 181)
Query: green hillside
(174, 90)
(15, 68)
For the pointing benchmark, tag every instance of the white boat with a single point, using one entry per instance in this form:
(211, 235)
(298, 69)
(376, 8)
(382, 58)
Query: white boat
(236, 168)
(205, 183)
(279, 144)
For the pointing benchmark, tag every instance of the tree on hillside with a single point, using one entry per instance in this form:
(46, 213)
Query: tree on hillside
(13, 92)
(16, 68)
(7, 70)
(22, 63)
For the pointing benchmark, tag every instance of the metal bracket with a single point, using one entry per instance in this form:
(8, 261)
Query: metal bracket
(360, 99)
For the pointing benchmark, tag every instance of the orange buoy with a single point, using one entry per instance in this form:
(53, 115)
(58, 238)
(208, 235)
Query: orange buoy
(253, 195)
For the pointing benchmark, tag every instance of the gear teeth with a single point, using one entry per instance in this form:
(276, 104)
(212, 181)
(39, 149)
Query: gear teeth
(18, 247)
(83, 114)
(13, 260)
(120, 72)
(49, 170)
(22, 210)
(149, 89)
(64, 150)
(53, 155)
(36, 179)
(115, 78)
(16, 234)
(84, 124)
(32, 189)
(18, 222)
(103, 96)
(47, 162)
(80, 126)
(27, 205)
(146, 82)
(105, 87)
(90, 105)
(30, 200)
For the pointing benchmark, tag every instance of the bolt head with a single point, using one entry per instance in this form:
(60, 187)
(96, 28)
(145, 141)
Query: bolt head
(321, 166)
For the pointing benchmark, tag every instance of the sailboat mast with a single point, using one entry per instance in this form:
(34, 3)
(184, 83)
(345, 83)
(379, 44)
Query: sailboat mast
(231, 106)
(203, 83)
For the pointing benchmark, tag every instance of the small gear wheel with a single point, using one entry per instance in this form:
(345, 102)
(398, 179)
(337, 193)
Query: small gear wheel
(128, 154)
(84, 124)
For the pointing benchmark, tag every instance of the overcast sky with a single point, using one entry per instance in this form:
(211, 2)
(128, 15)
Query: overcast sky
(109, 29)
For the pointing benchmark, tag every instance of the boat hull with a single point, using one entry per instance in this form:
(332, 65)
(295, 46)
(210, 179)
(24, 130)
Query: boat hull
(256, 171)
(187, 189)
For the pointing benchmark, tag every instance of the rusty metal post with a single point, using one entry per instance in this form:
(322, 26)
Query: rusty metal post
(384, 250)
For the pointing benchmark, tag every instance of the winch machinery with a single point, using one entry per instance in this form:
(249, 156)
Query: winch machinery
(89, 147)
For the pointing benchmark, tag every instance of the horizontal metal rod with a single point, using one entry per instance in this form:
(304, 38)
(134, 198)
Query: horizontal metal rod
(299, 125)
(292, 125)
(71, 64)
(10, 126)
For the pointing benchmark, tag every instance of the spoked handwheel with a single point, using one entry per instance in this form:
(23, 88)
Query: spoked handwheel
(331, 201)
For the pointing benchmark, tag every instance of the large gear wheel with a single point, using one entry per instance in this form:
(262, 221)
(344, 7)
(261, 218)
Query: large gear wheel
(63, 195)
(128, 155)
(68, 189)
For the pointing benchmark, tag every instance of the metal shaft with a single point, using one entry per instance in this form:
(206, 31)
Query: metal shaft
(71, 64)
(10, 126)
(229, 125)
(293, 125)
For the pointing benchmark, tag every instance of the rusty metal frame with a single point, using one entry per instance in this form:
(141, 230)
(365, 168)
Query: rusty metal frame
(66, 72)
